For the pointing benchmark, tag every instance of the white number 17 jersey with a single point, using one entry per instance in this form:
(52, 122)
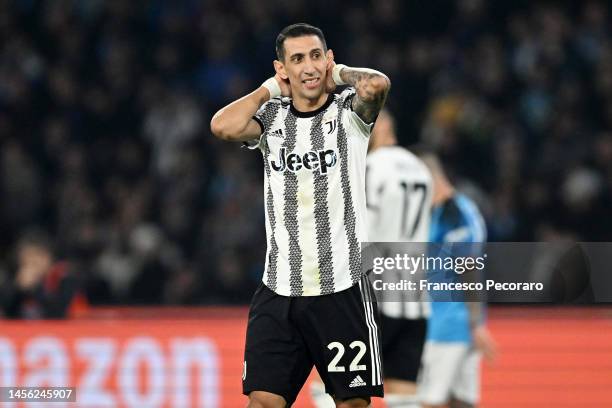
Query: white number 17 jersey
(399, 191)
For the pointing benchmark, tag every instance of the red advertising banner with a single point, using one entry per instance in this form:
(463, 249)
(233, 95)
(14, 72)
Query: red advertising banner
(193, 358)
(128, 363)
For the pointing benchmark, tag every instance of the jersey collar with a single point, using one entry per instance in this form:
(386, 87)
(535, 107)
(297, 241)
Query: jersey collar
(310, 114)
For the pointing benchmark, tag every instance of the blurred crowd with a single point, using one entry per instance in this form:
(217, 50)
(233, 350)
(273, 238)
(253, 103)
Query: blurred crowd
(105, 145)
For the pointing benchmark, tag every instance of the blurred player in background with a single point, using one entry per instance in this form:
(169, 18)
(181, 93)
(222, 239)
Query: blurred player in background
(314, 305)
(399, 192)
(456, 332)
(44, 288)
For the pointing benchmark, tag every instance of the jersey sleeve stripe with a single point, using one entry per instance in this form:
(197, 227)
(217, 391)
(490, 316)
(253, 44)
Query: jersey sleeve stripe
(260, 123)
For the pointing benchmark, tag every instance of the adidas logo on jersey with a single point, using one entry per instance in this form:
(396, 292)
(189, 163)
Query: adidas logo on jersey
(277, 133)
(357, 382)
(311, 160)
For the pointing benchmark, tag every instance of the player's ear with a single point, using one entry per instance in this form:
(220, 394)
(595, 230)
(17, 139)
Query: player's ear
(279, 67)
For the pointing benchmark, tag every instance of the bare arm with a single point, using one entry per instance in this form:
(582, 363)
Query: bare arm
(372, 88)
(474, 300)
(235, 121)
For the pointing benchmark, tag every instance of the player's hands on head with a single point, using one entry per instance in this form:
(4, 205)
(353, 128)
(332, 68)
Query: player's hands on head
(330, 85)
(284, 85)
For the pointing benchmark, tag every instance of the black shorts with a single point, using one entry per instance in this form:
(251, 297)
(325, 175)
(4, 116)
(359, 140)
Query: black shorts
(402, 341)
(337, 333)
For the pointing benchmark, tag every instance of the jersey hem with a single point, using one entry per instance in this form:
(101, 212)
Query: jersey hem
(340, 288)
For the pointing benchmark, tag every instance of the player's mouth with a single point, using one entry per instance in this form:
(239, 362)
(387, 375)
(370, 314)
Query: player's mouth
(311, 83)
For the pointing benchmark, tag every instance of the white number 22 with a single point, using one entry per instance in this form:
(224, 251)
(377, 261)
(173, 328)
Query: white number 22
(355, 366)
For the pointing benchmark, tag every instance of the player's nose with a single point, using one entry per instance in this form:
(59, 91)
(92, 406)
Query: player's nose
(309, 67)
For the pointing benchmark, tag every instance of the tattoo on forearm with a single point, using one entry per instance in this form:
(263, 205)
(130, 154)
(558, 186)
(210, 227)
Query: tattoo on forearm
(371, 95)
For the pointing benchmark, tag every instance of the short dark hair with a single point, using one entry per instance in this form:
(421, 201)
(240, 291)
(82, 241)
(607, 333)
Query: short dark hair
(297, 30)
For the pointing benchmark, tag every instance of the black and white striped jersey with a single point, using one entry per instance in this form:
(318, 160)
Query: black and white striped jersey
(314, 189)
(399, 190)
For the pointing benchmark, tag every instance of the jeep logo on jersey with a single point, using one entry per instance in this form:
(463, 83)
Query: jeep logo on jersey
(310, 160)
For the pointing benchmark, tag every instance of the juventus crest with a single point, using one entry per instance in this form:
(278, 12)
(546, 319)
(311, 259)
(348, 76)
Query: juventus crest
(330, 126)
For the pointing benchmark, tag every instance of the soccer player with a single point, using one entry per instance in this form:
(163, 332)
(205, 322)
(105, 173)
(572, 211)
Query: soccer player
(456, 331)
(399, 191)
(314, 306)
